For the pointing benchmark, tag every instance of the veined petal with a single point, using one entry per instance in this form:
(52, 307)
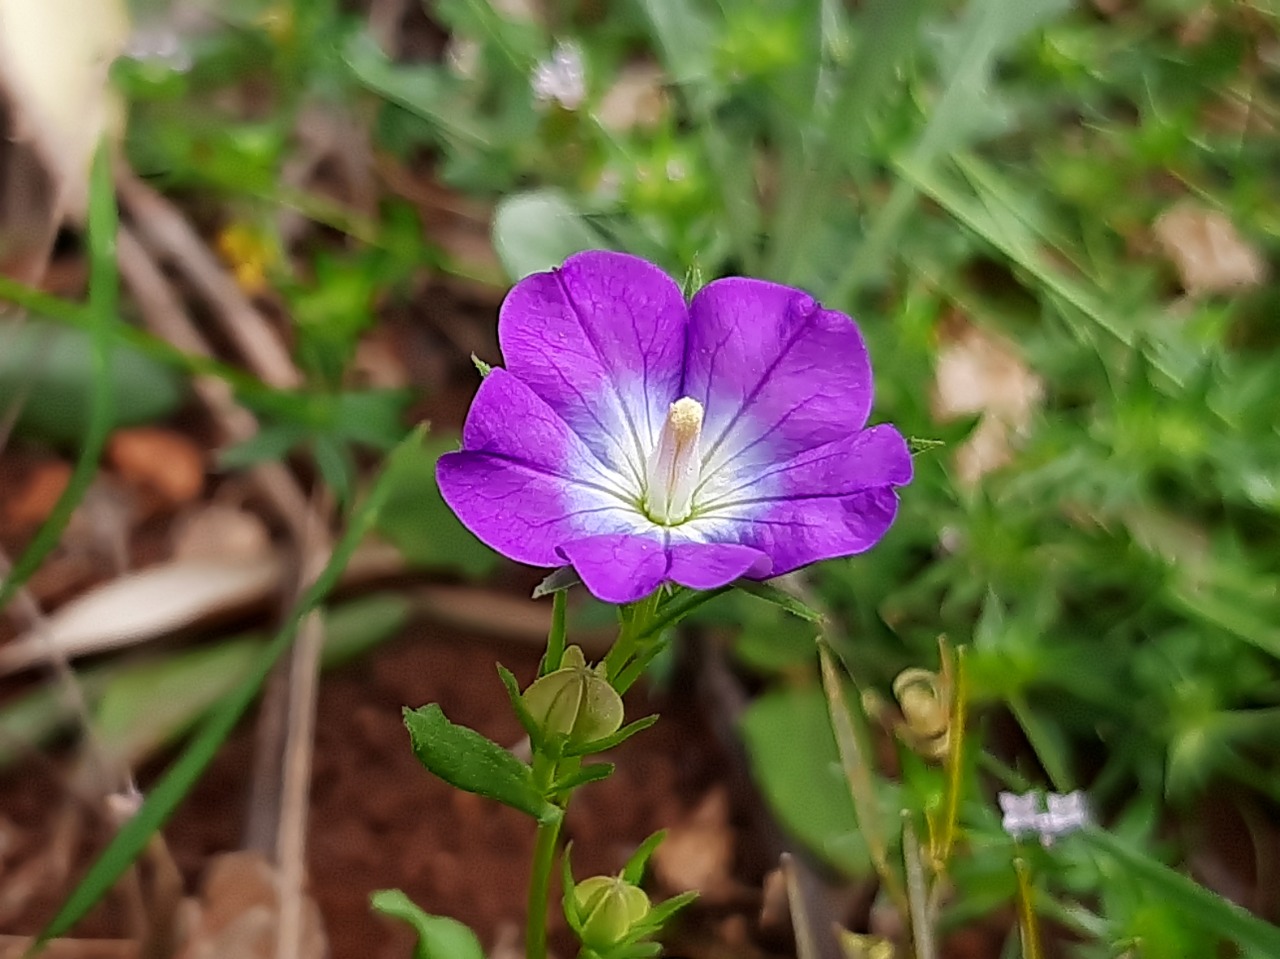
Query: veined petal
(836, 500)
(776, 373)
(625, 568)
(525, 483)
(602, 341)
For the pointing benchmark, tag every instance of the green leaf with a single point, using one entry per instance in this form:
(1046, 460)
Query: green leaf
(439, 937)
(48, 369)
(539, 230)
(420, 524)
(104, 309)
(582, 776)
(1190, 898)
(465, 759)
(794, 759)
(771, 594)
(170, 790)
(633, 871)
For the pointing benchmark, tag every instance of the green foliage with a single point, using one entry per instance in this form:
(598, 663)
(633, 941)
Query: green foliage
(465, 759)
(419, 523)
(439, 937)
(50, 369)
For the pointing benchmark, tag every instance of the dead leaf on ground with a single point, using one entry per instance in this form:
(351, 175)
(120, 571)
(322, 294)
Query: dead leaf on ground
(980, 372)
(1207, 250)
(238, 912)
(15, 947)
(55, 58)
(220, 532)
(159, 461)
(30, 504)
(145, 605)
(697, 854)
(637, 99)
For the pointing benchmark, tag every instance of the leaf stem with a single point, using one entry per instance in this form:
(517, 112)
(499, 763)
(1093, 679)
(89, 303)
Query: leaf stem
(544, 857)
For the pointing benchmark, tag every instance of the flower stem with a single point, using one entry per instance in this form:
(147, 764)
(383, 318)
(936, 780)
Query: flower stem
(544, 857)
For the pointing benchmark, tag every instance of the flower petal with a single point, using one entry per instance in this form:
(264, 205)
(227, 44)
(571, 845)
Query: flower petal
(623, 568)
(602, 341)
(525, 483)
(775, 373)
(835, 500)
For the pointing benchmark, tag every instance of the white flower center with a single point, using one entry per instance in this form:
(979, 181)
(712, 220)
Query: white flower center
(674, 468)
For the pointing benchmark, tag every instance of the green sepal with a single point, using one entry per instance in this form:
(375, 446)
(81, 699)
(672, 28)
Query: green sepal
(615, 739)
(567, 885)
(439, 937)
(771, 594)
(517, 703)
(633, 871)
(484, 368)
(661, 914)
(581, 776)
(465, 759)
(558, 580)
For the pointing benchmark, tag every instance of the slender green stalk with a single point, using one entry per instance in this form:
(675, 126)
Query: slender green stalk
(556, 638)
(544, 859)
(104, 310)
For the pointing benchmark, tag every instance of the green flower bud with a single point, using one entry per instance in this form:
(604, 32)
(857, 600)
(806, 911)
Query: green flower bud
(607, 909)
(575, 701)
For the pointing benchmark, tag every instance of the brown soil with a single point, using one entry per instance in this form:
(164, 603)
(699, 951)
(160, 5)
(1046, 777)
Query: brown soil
(379, 820)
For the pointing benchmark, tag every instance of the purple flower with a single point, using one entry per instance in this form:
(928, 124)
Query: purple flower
(644, 440)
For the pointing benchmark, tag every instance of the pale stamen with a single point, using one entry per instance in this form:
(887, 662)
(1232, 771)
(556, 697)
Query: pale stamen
(673, 469)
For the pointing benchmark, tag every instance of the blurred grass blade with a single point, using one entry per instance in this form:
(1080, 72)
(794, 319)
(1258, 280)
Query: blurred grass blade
(104, 310)
(1176, 891)
(922, 936)
(164, 798)
(945, 839)
(988, 28)
(1028, 921)
(889, 33)
(858, 774)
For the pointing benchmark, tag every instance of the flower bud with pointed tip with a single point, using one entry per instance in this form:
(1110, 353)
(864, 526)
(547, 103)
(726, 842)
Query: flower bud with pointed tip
(575, 701)
(607, 908)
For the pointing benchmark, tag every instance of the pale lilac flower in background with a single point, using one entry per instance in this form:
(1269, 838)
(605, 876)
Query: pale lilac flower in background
(1061, 814)
(563, 78)
(644, 440)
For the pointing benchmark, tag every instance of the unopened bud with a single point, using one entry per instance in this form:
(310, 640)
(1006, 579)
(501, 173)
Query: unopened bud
(607, 908)
(575, 701)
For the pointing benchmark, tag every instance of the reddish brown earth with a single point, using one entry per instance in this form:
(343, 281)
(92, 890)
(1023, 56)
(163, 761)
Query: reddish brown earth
(378, 820)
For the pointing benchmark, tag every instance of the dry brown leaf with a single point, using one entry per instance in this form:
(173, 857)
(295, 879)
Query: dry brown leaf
(158, 460)
(636, 99)
(15, 947)
(1207, 250)
(237, 914)
(697, 854)
(145, 605)
(220, 531)
(55, 56)
(979, 372)
(31, 503)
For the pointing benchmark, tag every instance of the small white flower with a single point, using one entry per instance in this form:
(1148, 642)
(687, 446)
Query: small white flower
(563, 78)
(1024, 816)
(1021, 814)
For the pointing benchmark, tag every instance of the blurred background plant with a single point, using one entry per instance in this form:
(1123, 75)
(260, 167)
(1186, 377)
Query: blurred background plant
(1056, 224)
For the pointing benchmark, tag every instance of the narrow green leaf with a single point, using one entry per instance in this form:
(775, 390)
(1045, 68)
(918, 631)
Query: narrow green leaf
(617, 739)
(439, 937)
(471, 762)
(165, 796)
(633, 871)
(1197, 903)
(517, 703)
(771, 594)
(104, 308)
(581, 777)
